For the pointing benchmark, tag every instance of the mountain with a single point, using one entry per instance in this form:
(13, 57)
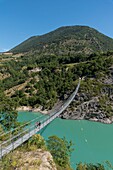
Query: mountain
(67, 40)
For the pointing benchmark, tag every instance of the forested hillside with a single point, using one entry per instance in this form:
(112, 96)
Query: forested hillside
(41, 80)
(68, 40)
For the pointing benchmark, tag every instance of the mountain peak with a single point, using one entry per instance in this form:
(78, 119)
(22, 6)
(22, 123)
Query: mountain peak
(67, 39)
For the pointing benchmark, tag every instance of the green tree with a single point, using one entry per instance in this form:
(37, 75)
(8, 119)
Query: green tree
(36, 142)
(90, 166)
(60, 149)
(8, 115)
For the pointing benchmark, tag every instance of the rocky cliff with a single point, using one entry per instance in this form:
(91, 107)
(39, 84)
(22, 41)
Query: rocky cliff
(32, 160)
(90, 105)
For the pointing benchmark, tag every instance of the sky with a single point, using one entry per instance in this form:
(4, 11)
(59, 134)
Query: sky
(21, 19)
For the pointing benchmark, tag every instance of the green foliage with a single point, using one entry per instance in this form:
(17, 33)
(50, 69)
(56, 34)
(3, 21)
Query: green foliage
(109, 165)
(8, 115)
(90, 166)
(36, 142)
(60, 149)
(106, 106)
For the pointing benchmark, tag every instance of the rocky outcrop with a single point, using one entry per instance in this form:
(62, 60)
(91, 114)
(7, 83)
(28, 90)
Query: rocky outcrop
(85, 107)
(33, 160)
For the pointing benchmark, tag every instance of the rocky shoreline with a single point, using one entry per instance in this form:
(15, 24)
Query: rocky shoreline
(76, 114)
(105, 121)
(86, 110)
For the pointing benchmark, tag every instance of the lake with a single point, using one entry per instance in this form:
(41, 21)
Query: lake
(93, 141)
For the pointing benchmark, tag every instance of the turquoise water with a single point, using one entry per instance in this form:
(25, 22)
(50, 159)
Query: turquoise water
(27, 116)
(93, 141)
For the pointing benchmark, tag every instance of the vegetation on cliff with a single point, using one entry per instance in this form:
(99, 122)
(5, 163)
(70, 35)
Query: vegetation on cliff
(35, 154)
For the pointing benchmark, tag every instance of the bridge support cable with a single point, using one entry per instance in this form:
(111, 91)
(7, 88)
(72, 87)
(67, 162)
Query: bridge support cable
(21, 137)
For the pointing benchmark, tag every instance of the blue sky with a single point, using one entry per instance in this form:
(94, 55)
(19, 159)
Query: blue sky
(21, 19)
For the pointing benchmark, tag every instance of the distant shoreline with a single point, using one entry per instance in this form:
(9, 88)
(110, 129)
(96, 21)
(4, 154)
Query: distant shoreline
(30, 109)
(104, 121)
(45, 112)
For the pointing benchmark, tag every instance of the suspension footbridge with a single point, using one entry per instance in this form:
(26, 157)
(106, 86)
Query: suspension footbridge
(21, 136)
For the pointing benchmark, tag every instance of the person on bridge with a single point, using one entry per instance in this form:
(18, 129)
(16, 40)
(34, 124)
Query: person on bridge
(38, 124)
